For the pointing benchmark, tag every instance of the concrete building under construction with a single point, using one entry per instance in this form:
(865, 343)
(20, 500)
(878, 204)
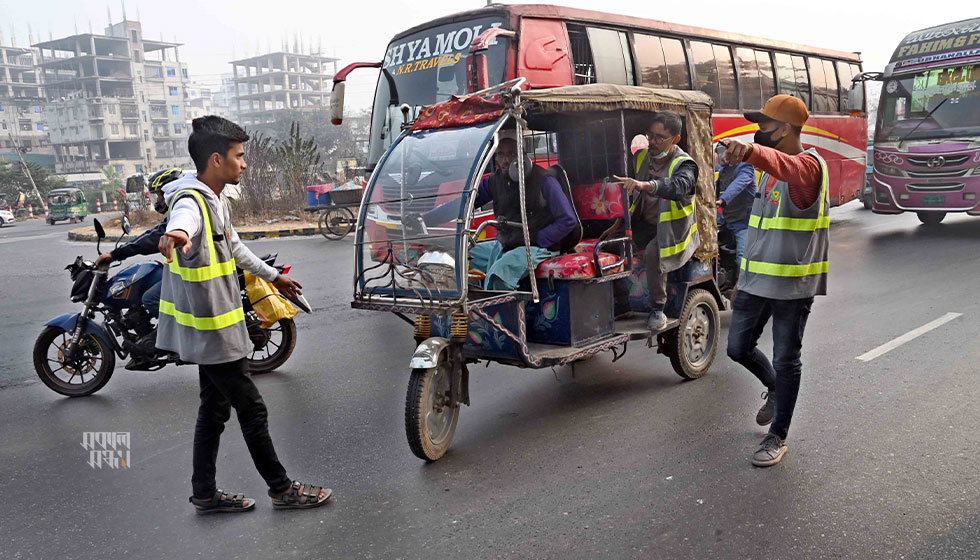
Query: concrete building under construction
(271, 85)
(22, 117)
(116, 99)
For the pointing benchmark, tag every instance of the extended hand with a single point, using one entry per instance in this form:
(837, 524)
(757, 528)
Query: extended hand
(177, 238)
(736, 151)
(103, 260)
(634, 185)
(287, 286)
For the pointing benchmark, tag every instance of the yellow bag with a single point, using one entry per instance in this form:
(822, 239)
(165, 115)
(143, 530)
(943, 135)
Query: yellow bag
(268, 303)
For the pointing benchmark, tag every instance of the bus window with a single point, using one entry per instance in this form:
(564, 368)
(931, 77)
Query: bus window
(726, 77)
(650, 61)
(819, 81)
(831, 93)
(802, 80)
(583, 67)
(678, 72)
(705, 70)
(844, 71)
(608, 56)
(749, 78)
(715, 73)
(786, 74)
(766, 75)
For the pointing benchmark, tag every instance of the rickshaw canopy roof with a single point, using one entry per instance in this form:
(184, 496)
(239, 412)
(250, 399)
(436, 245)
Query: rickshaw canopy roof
(612, 97)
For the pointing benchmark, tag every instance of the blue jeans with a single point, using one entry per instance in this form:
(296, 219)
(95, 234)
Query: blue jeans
(151, 299)
(751, 313)
(505, 270)
(740, 236)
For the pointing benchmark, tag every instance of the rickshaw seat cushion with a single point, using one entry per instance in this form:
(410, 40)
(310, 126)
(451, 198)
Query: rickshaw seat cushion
(598, 201)
(586, 246)
(575, 266)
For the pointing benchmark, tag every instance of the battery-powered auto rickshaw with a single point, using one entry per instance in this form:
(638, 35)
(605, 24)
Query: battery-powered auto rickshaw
(564, 311)
(66, 204)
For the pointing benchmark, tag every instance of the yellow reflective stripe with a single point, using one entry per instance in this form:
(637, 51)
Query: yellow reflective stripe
(785, 270)
(675, 162)
(677, 212)
(203, 323)
(679, 248)
(204, 273)
(641, 156)
(794, 224)
(211, 270)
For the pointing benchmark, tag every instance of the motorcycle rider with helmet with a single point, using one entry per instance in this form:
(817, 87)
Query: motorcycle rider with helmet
(146, 244)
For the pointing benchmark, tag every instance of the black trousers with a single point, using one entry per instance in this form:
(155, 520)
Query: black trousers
(224, 386)
(749, 318)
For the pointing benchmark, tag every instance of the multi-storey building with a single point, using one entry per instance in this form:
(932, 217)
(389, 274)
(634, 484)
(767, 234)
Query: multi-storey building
(22, 116)
(116, 99)
(270, 85)
(200, 101)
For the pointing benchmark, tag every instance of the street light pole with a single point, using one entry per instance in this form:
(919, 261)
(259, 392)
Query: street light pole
(27, 170)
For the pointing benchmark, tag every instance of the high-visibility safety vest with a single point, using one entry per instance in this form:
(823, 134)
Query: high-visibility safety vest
(786, 248)
(201, 315)
(677, 230)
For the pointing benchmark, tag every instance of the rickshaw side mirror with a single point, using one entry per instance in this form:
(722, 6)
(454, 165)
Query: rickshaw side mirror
(99, 230)
(337, 103)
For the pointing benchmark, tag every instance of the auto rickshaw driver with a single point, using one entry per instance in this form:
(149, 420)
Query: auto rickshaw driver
(550, 217)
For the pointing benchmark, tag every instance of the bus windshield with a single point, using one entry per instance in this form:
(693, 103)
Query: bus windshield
(425, 68)
(906, 103)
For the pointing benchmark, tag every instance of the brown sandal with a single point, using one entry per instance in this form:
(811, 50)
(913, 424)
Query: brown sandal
(222, 502)
(301, 496)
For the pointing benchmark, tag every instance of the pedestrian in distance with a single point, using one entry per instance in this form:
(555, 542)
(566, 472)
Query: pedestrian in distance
(785, 262)
(202, 320)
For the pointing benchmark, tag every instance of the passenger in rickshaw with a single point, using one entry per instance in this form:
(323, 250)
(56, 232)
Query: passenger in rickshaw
(663, 219)
(550, 217)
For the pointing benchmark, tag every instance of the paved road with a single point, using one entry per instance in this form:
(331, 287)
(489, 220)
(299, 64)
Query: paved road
(609, 460)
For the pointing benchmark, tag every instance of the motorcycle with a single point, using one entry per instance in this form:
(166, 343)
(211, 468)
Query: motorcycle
(75, 355)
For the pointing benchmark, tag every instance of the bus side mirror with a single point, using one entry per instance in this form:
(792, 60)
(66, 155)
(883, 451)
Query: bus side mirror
(337, 103)
(477, 72)
(855, 99)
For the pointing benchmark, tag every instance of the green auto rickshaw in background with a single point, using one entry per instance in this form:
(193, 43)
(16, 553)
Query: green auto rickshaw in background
(66, 204)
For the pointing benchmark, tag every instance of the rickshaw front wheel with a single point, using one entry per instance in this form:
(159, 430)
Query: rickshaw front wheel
(430, 419)
(692, 346)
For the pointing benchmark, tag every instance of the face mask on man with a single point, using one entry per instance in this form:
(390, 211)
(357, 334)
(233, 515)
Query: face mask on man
(763, 138)
(161, 206)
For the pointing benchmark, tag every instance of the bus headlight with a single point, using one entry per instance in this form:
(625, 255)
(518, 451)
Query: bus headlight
(889, 170)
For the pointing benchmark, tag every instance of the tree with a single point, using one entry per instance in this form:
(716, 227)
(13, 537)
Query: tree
(279, 171)
(335, 142)
(113, 180)
(13, 182)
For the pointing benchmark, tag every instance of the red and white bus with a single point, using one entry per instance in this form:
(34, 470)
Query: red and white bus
(555, 46)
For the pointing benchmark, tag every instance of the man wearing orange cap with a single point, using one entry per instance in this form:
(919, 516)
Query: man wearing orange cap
(785, 261)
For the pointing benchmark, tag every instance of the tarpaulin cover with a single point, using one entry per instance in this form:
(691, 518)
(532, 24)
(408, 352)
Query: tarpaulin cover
(460, 111)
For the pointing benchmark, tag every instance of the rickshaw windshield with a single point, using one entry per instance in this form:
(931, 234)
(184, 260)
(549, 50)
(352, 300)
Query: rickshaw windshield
(415, 212)
(58, 198)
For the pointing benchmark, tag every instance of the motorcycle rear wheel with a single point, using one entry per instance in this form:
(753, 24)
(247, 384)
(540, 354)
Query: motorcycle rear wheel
(96, 360)
(282, 339)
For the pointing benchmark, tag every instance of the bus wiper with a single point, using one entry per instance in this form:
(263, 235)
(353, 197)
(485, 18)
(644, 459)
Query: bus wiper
(924, 119)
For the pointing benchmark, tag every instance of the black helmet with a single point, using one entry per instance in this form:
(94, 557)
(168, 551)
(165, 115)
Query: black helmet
(164, 176)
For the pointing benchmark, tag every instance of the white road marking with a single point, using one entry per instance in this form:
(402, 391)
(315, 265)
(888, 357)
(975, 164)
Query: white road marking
(909, 336)
(31, 238)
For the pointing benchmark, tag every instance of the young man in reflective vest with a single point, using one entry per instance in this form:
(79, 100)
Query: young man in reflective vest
(664, 221)
(202, 320)
(785, 262)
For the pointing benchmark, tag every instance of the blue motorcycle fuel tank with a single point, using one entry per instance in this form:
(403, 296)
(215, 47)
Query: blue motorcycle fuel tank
(126, 288)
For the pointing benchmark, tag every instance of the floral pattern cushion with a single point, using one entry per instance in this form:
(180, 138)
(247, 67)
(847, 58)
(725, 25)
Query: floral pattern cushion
(575, 266)
(598, 201)
(586, 246)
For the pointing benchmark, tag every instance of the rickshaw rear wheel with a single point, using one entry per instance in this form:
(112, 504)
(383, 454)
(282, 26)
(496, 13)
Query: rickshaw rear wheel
(430, 419)
(692, 346)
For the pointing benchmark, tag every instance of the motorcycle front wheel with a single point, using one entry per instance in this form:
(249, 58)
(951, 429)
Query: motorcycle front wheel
(86, 374)
(273, 346)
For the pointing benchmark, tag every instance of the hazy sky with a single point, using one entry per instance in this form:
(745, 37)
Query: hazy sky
(215, 31)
